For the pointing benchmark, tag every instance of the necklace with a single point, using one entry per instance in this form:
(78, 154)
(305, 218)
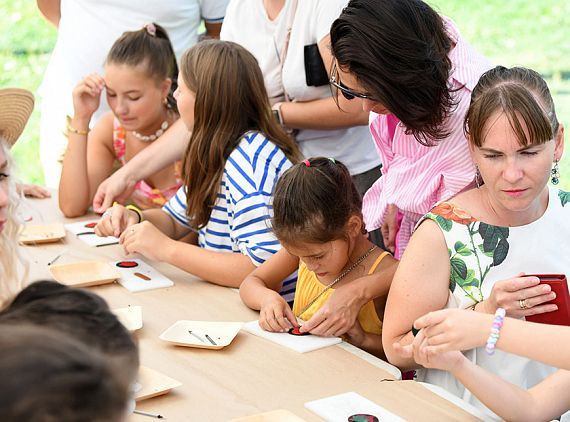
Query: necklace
(336, 280)
(154, 136)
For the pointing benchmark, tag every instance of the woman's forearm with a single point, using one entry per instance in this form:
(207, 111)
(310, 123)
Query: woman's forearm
(320, 114)
(51, 10)
(161, 153)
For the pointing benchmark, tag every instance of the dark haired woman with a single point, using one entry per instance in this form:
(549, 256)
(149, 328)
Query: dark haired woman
(235, 155)
(140, 78)
(414, 73)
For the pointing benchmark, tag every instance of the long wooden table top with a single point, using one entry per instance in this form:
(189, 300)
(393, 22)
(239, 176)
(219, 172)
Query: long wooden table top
(251, 375)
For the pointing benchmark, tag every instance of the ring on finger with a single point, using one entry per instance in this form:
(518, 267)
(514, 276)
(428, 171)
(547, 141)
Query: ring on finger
(107, 213)
(523, 304)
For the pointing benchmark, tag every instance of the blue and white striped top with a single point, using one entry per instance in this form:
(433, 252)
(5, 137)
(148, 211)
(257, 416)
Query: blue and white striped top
(241, 217)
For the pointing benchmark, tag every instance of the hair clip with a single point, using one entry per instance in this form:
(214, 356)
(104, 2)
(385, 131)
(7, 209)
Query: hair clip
(151, 29)
(332, 160)
(307, 163)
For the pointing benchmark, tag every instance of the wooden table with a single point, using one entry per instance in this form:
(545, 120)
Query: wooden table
(250, 376)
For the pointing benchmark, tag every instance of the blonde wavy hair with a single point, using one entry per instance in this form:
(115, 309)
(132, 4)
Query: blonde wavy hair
(13, 268)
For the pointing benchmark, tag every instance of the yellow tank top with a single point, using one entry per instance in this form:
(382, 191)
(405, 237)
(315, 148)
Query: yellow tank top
(309, 287)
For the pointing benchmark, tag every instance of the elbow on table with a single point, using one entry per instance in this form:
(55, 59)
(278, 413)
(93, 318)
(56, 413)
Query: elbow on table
(72, 210)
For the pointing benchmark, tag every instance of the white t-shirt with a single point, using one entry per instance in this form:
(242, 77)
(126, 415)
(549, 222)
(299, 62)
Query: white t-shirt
(246, 23)
(88, 28)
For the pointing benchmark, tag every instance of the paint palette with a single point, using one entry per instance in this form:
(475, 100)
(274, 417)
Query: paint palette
(84, 274)
(85, 231)
(201, 334)
(34, 234)
(350, 407)
(138, 276)
(130, 317)
(153, 383)
(280, 415)
(299, 342)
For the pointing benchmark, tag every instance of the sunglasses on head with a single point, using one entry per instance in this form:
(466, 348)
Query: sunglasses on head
(347, 93)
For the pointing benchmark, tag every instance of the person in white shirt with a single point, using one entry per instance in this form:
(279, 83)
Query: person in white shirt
(86, 30)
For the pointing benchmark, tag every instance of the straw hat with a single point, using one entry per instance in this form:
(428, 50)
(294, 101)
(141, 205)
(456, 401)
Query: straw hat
(16, 105)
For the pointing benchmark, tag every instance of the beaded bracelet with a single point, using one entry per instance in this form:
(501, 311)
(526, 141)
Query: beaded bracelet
(495, 330)
(71, 129)
(137, 211)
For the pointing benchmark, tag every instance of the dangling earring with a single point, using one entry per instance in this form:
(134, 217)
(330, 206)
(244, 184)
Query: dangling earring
(478, 178)
(555, 173)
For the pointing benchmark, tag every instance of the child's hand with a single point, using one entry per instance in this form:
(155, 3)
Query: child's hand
(115, 221)
(87, 96)
(454, 329)
(33, 191)
(423, 355)
(356, 334)
(276, 315)
(146, 239)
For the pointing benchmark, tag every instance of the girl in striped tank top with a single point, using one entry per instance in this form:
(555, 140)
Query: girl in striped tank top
(216, 225)
(318, 220)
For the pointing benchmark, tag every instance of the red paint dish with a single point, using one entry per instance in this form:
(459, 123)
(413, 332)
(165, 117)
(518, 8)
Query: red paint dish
(127, 264)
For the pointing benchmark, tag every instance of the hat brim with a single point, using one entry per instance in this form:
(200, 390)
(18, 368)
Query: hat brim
(16, 106)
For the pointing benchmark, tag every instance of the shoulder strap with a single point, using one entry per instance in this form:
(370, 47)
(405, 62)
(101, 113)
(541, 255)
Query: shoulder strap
(378, 261)
(283, 54)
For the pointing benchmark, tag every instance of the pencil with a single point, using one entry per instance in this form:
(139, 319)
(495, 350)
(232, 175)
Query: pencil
(152, 415)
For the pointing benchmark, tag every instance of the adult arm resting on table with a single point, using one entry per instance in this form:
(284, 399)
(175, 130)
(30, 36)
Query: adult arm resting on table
(160, 154)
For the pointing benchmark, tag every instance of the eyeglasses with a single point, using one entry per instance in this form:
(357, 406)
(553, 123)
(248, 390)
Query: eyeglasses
(347, 93)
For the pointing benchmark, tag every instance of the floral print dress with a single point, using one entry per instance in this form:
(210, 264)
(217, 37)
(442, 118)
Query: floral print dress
(481, 254)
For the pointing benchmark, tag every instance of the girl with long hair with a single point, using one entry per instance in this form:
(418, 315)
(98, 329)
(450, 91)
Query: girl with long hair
(235, 155)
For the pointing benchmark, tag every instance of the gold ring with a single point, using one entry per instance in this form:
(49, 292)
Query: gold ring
(522, 304)
(132, 230)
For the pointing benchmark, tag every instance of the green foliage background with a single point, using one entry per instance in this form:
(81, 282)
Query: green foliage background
(532, 33)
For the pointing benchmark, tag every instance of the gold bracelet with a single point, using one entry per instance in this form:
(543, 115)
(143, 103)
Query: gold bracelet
(71, 129)
(137, 210)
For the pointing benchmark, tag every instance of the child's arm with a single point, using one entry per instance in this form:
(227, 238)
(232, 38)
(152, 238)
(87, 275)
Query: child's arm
(260, 290)
(78, 179)
(370, 342)
(541, 402)
(455, 329)
(339, 313)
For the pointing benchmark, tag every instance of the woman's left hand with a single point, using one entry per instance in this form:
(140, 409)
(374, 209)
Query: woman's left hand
(337, 316)
(144, 238)
(420, 351)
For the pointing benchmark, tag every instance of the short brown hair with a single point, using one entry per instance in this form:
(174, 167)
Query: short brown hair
(313, 203)
(522, 95)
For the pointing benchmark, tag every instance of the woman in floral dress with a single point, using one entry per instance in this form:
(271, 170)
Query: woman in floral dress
(473, 251)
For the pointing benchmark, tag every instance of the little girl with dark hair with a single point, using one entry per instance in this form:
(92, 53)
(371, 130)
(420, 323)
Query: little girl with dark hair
(318, 220)
(139, 80)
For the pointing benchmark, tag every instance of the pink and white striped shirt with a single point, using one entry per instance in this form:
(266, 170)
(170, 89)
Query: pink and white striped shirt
(416, 177)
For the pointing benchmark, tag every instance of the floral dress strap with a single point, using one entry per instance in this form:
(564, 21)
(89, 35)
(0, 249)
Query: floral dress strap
(474, 248)
(119, 140)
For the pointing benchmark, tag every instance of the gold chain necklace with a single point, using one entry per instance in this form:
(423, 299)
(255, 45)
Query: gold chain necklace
(336, 280)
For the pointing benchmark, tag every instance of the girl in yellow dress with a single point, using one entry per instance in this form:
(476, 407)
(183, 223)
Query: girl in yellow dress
(318, 220)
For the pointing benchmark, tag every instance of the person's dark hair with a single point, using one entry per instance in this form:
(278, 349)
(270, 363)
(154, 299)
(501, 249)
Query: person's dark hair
(48, 376)
(522, 95)
(150, 46)
(230, 101)
(313, 203)
(398, 51)
(78, 313)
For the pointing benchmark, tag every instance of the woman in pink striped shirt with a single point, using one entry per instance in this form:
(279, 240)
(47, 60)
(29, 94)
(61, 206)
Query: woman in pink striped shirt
(414, 74)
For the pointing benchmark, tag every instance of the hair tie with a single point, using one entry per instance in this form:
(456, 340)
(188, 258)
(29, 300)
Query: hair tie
(151, 29)
(332, 160)
(307, 162)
